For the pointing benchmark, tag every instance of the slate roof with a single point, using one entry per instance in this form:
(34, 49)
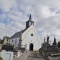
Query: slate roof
(18, 34)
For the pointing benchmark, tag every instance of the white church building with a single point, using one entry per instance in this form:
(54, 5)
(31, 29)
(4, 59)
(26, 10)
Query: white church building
(28, 37)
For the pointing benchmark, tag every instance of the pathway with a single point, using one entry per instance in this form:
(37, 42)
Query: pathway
(30, 56)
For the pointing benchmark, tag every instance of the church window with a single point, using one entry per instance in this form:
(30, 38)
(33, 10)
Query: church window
(15, 41)
(12, 40)
(31, 34)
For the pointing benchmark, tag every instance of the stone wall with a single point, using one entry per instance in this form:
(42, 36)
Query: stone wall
(6, 55)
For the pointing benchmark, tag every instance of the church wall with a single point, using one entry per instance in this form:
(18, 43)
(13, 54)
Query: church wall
(14, 41)
(27, 38)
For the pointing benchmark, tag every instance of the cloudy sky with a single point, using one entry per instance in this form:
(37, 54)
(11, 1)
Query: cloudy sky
(45, 13)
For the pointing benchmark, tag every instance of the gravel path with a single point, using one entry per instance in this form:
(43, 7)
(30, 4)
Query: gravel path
(23, 56)
(35, 56)
(30, 56)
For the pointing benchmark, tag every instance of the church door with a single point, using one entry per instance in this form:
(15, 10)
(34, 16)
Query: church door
(31, 47)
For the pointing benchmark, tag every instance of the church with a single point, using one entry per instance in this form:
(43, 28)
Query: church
(27, 38)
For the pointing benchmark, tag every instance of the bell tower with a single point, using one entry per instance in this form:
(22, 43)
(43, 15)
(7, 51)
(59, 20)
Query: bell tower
(29, 22)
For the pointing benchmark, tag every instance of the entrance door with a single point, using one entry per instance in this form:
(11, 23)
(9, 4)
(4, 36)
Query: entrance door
(31, 47)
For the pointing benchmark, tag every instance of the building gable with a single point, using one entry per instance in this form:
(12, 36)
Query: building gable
(31, 36)
(28, 30)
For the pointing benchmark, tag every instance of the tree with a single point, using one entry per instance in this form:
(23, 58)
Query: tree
(1, 58)
(59, 44)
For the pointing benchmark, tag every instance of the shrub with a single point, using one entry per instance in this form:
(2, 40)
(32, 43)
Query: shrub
(59, 44)
(1, 58)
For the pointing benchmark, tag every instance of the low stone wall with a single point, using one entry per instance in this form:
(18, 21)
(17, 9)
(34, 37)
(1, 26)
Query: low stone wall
(6, 55)
(54, 58)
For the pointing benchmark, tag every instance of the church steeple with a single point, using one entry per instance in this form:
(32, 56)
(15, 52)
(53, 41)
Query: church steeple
(29, 22)
(30, 18)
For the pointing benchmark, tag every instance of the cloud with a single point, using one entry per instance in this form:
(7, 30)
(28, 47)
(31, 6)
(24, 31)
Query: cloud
(7, 5)
(14, 14)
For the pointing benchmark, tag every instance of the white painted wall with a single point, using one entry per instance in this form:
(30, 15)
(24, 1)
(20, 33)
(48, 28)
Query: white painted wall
(6, 55)
(27, 38)
(5, 40)
(15, 41)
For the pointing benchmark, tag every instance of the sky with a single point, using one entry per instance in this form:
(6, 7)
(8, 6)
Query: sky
(45, 14)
